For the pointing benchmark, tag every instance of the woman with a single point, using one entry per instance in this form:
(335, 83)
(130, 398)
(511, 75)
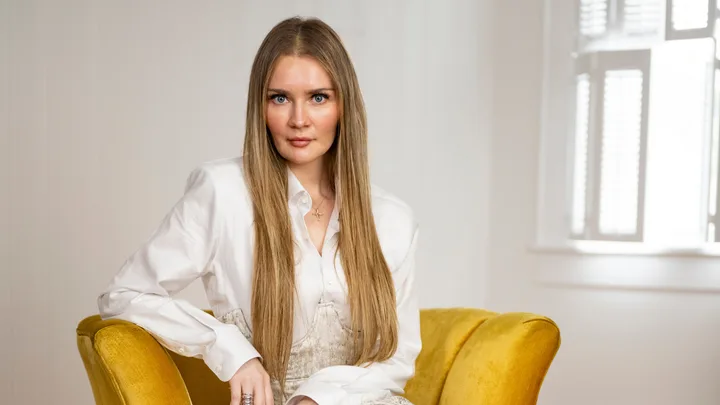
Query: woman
(308, 269)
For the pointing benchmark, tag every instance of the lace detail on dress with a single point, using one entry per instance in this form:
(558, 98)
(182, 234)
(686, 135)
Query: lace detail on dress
(394, 400)
(237, 318)
(327, 343)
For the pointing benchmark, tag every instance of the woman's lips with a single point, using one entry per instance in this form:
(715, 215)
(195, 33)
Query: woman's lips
(299, 142)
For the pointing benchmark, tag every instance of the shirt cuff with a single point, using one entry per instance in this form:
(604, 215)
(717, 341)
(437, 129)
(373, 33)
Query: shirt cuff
(229, 352)
(320, 392)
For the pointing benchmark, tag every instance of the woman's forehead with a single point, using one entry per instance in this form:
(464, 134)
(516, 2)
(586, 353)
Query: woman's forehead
(293, 73)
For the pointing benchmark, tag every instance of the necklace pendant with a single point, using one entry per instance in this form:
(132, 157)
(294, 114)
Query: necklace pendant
(317, 214)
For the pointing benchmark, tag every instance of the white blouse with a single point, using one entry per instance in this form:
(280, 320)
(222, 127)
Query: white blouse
(208, 234)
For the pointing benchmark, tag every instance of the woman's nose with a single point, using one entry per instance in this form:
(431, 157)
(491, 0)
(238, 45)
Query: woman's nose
(299, 117)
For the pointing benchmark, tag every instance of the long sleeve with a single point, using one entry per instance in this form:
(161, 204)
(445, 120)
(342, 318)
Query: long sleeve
(350, 385)
(178, 252)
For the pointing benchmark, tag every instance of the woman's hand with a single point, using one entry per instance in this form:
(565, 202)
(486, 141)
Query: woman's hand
(251, 378)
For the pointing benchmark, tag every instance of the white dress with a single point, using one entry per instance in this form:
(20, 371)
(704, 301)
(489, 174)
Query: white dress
(208, 235)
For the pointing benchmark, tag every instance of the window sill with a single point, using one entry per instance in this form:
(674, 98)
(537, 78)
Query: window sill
(624, 249)
(626, 266)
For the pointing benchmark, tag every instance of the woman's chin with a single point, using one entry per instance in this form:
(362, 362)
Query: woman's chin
(301, 157)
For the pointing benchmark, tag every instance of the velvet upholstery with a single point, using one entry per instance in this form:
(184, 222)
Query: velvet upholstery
(469, 356)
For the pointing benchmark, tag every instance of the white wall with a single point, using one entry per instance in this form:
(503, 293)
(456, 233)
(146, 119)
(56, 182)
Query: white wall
(111, 104)
(621, 346)
(6, 333)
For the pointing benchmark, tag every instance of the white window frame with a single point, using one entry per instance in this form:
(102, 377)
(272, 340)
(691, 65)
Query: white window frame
(597, 65)
(672, 34)
(555, 197)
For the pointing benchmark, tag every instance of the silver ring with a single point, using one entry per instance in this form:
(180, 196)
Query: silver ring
(247, 399)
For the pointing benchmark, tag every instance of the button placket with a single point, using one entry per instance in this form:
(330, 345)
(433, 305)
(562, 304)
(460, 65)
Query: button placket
(305, 203)
(328, 267)
(303, 208)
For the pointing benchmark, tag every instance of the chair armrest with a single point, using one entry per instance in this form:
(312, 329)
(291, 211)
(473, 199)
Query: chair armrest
(126, 365)
(504, 362)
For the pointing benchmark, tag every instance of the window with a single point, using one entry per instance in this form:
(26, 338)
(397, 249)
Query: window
(631, 123)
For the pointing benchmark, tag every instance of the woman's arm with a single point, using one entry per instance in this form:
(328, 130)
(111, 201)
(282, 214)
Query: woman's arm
(348, 385)
(178, 253)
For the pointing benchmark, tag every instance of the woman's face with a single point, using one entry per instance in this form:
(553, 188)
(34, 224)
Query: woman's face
(301, 109)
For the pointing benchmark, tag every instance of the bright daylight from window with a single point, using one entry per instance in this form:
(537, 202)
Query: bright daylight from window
(644, 153)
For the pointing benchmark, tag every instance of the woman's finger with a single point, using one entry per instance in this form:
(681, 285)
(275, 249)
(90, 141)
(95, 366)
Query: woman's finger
(235, 394)
(269, 400)
(258, 393)
(246, 388)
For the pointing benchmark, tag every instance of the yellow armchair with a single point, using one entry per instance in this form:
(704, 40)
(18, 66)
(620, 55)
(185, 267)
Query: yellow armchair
(469, 356)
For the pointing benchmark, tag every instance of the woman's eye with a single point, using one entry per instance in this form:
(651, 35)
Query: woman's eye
(319, 98)
(279, 99)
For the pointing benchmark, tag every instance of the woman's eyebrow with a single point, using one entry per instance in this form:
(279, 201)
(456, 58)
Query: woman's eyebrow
(313, 91)
(320, 90)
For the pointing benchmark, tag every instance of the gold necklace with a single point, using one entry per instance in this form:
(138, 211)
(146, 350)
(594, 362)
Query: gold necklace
(317, 214)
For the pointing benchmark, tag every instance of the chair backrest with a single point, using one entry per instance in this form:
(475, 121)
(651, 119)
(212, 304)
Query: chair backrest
(504, 361)
(126, 365)
(444, 333)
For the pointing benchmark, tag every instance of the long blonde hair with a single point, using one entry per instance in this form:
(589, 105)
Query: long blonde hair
(371, 292)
